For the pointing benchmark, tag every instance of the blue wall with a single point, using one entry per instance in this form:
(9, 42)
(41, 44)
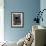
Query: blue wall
(29, 7)
(43, 6)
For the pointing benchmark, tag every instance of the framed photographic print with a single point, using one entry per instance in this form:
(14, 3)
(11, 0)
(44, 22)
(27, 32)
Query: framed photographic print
(17, 19)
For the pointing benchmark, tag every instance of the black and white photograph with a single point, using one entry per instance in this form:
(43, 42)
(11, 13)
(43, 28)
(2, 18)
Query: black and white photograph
(17, 19)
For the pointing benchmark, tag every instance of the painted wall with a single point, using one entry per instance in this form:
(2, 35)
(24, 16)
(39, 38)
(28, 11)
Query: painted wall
(43, 6)
(29, 7)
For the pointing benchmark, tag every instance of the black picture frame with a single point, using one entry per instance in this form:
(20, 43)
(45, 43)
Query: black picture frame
(17, 19)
